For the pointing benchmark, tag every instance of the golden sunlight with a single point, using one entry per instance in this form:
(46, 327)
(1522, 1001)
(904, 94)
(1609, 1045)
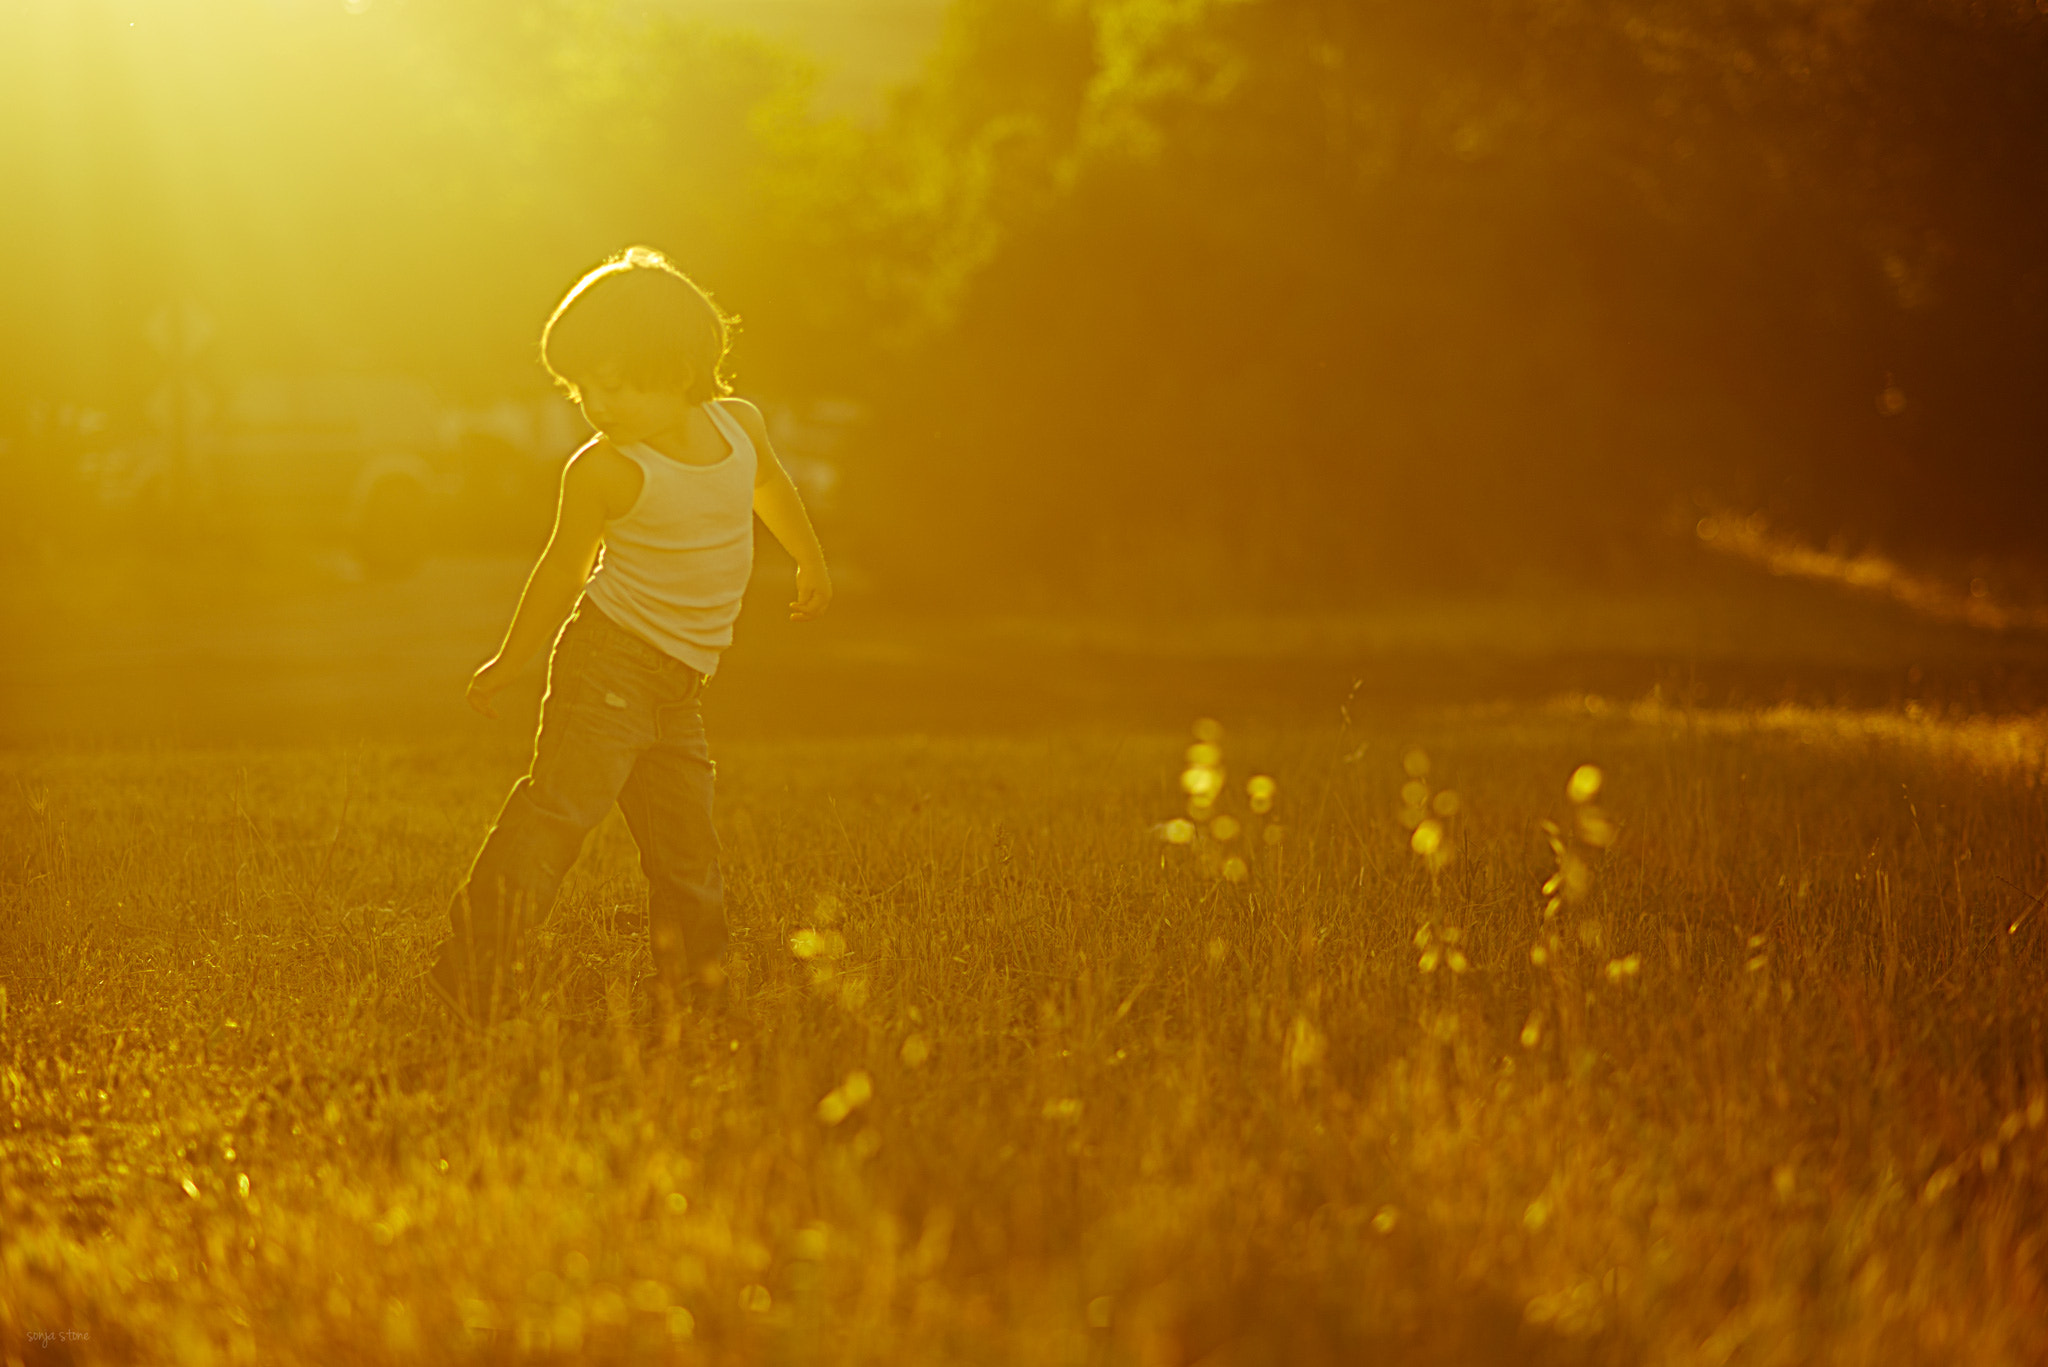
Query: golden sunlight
(1034, 681)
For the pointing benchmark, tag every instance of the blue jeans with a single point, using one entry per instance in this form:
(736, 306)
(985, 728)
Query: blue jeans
(621, 722)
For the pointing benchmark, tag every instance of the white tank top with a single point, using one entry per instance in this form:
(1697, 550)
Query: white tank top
(674, 567)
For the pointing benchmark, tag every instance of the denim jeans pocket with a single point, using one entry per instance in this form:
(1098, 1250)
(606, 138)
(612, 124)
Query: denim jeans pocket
(606, 690)
(584, 681)
(680, 723)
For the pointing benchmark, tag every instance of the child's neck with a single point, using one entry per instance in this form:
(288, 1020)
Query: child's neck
(692, 440)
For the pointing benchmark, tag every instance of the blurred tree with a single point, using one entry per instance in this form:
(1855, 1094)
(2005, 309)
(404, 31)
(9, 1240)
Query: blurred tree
(1196, 299)
(1303, 295)
(409, 187)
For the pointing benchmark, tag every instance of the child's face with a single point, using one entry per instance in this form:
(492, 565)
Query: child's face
(623, 411)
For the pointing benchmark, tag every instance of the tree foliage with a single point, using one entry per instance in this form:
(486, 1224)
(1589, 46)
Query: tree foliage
(1207, 298)
(1307, 292)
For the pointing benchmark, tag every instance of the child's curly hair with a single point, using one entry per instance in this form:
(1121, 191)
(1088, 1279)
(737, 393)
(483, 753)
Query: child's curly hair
(641, 314)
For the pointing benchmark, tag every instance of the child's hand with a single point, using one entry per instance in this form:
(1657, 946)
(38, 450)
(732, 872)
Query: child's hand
(813, 593)
(485, 685)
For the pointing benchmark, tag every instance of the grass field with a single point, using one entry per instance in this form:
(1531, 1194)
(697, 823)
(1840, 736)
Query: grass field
(1017, 1078)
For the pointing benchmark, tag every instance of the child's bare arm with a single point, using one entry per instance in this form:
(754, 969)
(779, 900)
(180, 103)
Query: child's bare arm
(781, 509)
(591, 485)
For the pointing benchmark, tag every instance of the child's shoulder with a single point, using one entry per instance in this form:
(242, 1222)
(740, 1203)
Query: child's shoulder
(607, 473)
(597, 458)
(745, 413)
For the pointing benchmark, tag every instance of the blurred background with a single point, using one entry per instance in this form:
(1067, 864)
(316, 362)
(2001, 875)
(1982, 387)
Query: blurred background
(1068, 315)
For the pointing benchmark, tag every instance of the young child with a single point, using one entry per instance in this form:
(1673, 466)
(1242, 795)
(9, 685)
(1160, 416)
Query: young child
(661, 501)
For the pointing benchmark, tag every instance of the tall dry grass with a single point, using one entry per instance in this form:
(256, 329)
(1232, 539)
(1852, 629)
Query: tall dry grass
(1026, 1073)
